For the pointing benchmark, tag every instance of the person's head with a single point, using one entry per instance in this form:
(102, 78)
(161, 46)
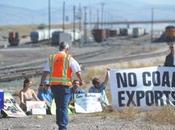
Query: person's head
(46, 84)
(63, 46)
(96, 82)
(76, 84)
(27, 83)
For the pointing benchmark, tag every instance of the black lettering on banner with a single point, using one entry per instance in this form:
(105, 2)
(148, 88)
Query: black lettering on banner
(149, 98)
(121, 80)
(173, 96)
(130, 95)
(132, 79)
(139, 96)
(165, 79)
(145, 80)
(121, 98)
(173, 80)
(167, 94)
(156, 78)
(158, 98)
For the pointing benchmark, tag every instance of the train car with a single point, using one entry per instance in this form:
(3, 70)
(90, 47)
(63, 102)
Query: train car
(78, 35)
(37, 36)
(123, 32)
(13, 38)
(41, 35)
(113, 33)
(99, 35)
(59, 36)
(137, 32)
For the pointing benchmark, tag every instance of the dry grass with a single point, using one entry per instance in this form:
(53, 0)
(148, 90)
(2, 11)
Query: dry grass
(164, 115)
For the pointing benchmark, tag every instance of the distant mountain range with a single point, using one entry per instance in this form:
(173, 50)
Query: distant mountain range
(112, 11)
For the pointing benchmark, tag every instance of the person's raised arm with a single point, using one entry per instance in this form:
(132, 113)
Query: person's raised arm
(106, 76)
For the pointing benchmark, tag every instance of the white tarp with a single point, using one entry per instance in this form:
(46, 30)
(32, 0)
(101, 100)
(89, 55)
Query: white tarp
(143, 87)
(88, 103)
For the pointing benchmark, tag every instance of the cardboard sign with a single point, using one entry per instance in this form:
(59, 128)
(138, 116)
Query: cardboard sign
(88, 103)
(11, 108)
(36, 107)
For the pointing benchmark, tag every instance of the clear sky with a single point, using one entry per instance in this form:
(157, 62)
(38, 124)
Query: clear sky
(38, 4)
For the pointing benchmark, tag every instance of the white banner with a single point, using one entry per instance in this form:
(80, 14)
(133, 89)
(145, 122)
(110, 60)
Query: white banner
(143, 87)
(88, 103)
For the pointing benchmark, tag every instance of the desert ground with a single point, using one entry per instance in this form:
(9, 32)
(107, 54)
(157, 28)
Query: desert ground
(109, 119)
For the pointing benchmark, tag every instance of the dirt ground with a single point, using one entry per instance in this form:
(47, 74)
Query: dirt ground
(117, 47)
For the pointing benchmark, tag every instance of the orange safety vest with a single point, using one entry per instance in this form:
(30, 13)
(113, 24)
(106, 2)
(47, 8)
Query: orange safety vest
(60, 72)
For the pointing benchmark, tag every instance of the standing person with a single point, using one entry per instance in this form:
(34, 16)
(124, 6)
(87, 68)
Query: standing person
(60, 67)
(170, 58)
(99, 87)
(27, 94)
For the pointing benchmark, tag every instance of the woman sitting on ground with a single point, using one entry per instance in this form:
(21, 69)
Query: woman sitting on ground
(27, 94)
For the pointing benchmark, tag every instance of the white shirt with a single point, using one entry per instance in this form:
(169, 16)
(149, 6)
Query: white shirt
(73, 64)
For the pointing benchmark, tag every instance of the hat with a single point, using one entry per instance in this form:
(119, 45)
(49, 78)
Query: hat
(46, 82)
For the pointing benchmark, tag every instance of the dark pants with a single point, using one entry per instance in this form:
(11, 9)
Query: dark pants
(62, 96)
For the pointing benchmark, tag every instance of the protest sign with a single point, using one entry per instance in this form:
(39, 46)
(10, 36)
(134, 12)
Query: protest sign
(88, 103)
(11, 108)
(143, 87)
(36, 107)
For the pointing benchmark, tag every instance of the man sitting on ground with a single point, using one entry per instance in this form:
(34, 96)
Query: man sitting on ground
(99, 87)
(45, 94)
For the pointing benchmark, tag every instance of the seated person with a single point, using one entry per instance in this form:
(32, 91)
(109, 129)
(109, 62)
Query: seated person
(27, 94)
(76, 88)
(45, 94)
(99, 87)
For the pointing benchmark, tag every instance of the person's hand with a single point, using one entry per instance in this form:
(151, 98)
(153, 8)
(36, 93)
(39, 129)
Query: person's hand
(81, 83)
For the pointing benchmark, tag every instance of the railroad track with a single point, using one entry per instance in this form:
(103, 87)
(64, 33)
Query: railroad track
(18, 71)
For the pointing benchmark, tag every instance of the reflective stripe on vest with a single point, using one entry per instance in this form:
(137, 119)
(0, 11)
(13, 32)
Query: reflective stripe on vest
(60, 72)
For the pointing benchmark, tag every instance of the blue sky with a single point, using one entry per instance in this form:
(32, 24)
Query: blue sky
(39, 4)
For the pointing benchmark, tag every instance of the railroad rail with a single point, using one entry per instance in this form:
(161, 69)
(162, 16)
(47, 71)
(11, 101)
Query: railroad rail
(18, 71)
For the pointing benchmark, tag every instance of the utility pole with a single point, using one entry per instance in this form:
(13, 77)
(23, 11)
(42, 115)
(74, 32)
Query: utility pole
(63, 16)
(90, 18)
(102, 8)
(97, 19)
(49, 18)
(152, 24)
(85, 28)
(74, 8)
(80, 15)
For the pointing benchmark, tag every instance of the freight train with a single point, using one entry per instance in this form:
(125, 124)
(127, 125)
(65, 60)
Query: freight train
(56, 35)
